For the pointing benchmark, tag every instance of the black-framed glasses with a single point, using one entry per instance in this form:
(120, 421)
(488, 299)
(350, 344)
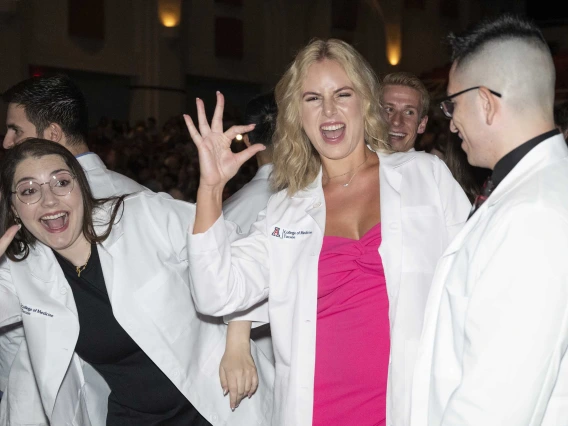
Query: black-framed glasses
(60, 184)
(447, 105)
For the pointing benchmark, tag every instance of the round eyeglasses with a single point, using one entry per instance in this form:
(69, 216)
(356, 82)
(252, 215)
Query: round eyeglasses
(447, 105)
(60, 184)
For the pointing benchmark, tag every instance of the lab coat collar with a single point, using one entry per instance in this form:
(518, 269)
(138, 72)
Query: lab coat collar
(101, 217)
(390, 166)
(263, 172)
(549, 151)
(389, 162)
(46, 268)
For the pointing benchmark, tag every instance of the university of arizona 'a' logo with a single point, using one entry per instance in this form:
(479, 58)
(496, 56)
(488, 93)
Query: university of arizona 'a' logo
(276, 232)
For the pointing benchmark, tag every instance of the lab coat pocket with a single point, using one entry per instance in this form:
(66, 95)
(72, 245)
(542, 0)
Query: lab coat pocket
(458, 308)
(166, 299)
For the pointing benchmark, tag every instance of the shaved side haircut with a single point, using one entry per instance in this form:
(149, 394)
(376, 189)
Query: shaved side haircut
(508, 55)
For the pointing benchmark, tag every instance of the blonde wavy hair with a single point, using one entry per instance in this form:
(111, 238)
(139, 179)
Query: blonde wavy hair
(296, 162)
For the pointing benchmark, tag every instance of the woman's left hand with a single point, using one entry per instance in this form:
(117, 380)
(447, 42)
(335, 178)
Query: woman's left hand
(238, 373)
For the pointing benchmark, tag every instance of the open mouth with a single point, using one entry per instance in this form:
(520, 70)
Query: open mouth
(55, 222)
(397, 135)
(333, 133)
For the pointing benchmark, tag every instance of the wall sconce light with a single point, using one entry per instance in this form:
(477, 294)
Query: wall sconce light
(169, 12)
(394, 43)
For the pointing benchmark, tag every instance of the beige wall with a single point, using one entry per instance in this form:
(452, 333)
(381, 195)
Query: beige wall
(137, 45)
(199, 52)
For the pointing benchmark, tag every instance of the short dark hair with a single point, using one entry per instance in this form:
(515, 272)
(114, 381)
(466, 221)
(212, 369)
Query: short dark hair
(19, 248)
(262, 110)
(52, 99)
(505, 27)
(561, 116)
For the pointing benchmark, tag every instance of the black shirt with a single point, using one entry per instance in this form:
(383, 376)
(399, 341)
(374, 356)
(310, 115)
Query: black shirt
(141, 394)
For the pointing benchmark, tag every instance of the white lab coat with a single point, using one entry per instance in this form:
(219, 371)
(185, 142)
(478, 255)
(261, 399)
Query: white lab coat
(422, 208)
(243, 208)
(494, 346)
(144, 262)
(103, 183)
(244, 205)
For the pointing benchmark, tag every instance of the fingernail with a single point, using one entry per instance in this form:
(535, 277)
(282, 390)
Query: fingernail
(225, 392)
(19, 226)
(218, 92)
(233, 408)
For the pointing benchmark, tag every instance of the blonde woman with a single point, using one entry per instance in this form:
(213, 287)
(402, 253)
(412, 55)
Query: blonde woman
(344, 252)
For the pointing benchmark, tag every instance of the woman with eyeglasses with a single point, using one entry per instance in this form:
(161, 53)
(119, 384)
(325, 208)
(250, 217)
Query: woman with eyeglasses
(105, 282)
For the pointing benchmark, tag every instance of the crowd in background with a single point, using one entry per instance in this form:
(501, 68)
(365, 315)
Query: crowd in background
(164, 159)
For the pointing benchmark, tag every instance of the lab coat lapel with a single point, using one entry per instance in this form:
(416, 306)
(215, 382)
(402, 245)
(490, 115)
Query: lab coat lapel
(53, 328)
(390, 250)
(105, 248)
(314, 200)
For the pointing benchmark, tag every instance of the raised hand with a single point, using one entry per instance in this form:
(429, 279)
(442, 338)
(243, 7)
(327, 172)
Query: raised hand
(217, 162)
(7, 238)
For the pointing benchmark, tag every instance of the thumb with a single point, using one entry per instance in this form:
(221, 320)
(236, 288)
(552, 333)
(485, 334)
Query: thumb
(248, 153)
(223, 377)
(7, 238)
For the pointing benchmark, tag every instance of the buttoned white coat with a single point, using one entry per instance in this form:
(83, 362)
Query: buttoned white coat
(422, 208)
(144, 263)
(494, 346)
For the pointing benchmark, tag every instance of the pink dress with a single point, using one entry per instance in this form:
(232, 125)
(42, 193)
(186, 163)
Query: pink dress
(352, 337)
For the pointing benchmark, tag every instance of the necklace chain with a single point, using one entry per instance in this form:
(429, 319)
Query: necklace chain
(354, 171)
(82, 268)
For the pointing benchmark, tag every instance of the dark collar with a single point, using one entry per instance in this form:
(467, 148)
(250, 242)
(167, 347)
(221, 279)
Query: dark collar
(509, 161)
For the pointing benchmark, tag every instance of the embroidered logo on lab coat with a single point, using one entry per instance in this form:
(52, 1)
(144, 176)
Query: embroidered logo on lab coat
(28, 310)
(285, 234)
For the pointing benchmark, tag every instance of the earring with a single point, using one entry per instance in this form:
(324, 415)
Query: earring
(17, 220)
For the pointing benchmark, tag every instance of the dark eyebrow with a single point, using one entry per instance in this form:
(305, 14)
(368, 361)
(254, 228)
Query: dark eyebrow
(13, 126)
(52, 173)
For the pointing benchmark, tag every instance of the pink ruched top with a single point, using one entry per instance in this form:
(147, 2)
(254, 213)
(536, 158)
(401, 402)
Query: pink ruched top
(352, 337)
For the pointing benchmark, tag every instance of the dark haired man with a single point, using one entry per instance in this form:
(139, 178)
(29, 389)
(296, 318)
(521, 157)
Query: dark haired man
(53, 108)
(494, 347)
